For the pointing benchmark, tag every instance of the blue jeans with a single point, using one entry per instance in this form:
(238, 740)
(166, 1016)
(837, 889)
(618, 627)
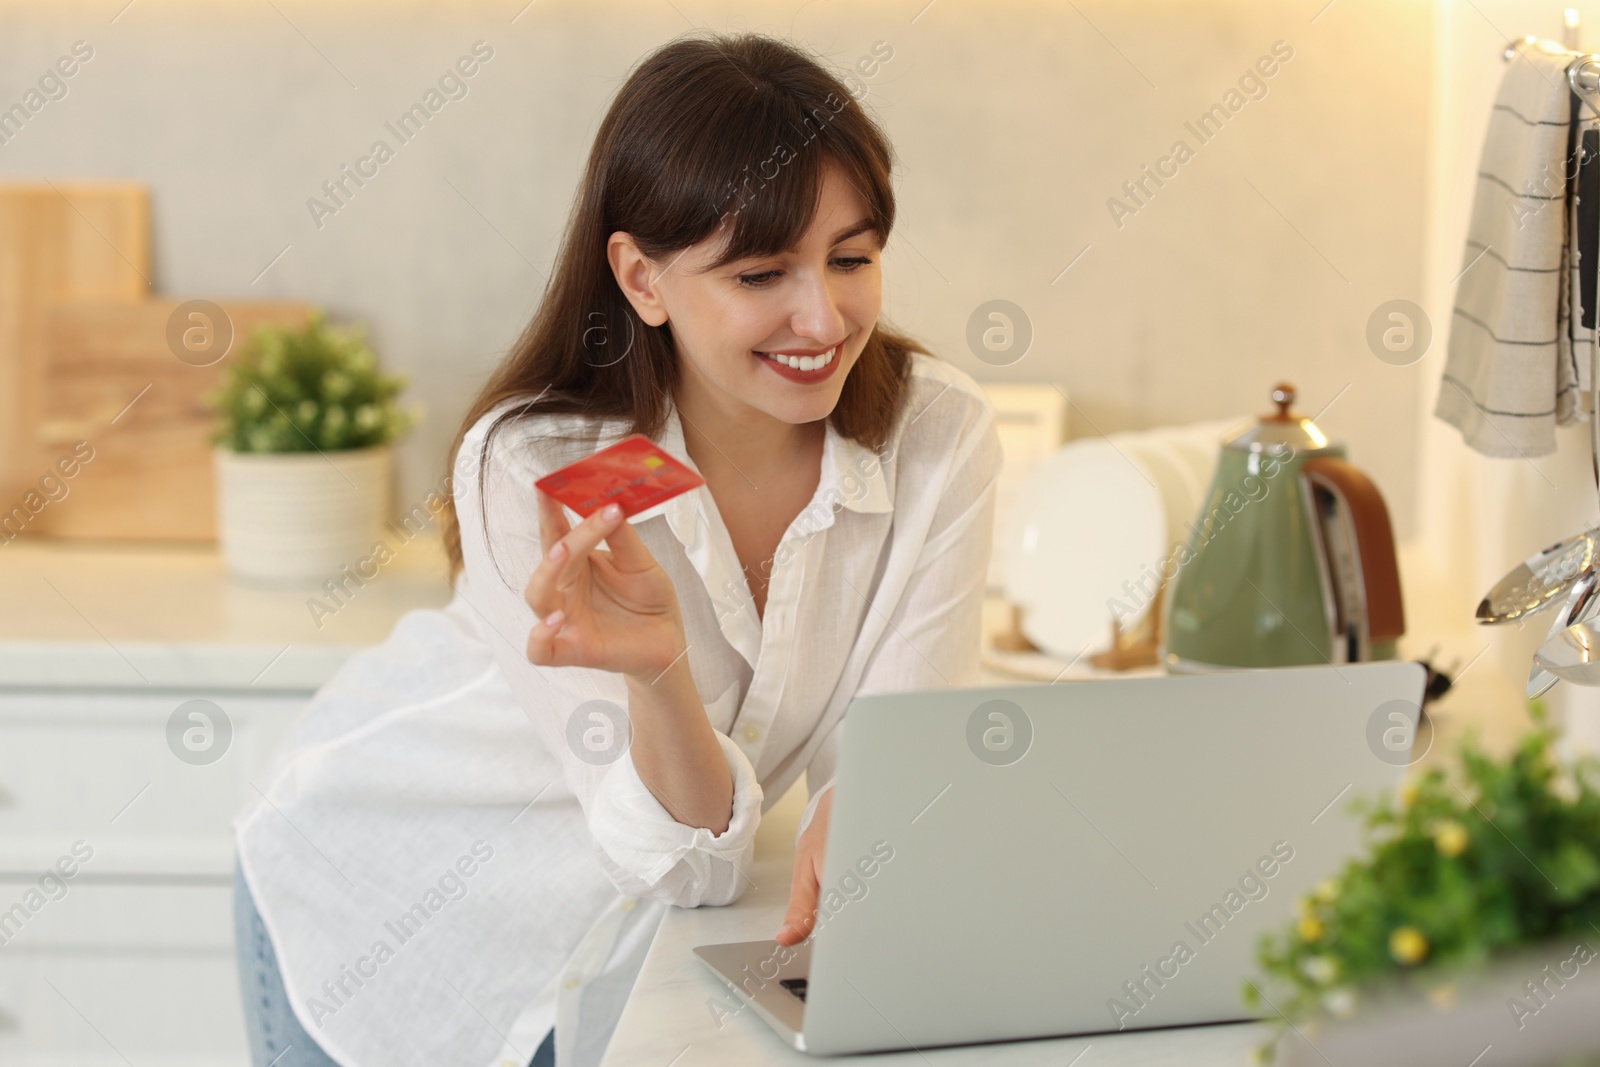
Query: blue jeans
(276, 1036)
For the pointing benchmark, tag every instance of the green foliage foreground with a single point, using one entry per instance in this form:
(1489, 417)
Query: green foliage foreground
(1466, 867)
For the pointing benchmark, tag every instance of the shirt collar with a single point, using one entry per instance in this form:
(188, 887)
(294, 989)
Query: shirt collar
(851, 475)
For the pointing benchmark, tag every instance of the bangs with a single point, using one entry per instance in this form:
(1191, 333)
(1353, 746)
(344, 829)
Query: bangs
(764, 201)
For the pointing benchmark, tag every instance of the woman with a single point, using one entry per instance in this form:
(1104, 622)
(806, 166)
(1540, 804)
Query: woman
(470, 836)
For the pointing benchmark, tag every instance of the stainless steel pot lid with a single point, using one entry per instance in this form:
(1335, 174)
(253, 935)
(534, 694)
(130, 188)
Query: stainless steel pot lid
(1542, 580)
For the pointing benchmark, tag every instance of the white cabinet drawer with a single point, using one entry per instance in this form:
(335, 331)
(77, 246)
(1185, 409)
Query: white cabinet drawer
(97, 767)
(118, 918)
(107, 972)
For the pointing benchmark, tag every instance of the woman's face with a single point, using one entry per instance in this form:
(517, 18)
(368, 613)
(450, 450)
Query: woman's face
(823, 295)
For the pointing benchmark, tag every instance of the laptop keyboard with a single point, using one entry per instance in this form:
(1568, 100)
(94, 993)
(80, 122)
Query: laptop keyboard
(797, 986)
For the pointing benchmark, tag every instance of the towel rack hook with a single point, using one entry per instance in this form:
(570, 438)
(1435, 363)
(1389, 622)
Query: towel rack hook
(1583, 73)
(1571, 35)
(1515, 43)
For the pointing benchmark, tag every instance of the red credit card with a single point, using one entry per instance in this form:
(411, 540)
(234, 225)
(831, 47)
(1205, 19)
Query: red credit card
(634, 472)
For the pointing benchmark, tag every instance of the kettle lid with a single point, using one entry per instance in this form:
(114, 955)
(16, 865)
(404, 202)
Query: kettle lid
(1272, 431)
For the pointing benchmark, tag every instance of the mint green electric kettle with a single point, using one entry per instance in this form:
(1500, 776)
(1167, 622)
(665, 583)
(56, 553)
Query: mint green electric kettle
(1290, 561)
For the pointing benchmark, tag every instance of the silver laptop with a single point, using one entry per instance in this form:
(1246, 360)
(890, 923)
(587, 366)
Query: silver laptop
(1047, 860)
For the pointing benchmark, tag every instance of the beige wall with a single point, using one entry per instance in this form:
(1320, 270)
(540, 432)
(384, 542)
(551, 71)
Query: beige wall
(1015, 123)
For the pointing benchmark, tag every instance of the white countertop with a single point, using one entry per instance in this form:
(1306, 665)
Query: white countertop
(93, 614)
(118, 614)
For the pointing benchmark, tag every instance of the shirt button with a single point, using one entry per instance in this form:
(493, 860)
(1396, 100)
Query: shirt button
(627, 905)
(751, 733)
(509, 1063)
(572, 983)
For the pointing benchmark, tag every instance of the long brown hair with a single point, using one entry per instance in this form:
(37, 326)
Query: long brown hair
(693, 136)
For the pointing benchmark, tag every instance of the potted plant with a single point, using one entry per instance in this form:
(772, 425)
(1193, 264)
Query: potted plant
(303, 451)
(1470, 930)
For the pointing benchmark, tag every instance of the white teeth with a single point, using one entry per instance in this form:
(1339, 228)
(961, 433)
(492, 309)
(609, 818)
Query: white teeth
(805, 362)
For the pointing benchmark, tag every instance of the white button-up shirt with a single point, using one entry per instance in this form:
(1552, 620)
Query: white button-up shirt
(447, 862)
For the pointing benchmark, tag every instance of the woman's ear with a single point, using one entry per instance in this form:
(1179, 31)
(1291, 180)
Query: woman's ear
(637, 277)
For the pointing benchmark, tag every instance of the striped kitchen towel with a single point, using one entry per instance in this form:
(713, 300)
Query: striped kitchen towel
(1520, 336)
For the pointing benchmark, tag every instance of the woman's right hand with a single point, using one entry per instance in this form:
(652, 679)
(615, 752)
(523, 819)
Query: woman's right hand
(615, 610)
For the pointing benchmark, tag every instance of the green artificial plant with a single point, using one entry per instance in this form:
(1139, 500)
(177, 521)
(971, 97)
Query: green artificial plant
(312, 388)
(1463, 867)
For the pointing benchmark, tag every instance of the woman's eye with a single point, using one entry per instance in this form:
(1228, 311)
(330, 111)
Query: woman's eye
(756, 281)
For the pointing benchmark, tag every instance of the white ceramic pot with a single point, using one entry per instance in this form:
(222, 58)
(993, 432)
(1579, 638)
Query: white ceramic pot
(299, 518)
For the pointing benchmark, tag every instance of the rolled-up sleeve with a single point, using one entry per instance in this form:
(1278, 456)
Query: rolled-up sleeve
(641, 847)
(934, 632)
(653, 854)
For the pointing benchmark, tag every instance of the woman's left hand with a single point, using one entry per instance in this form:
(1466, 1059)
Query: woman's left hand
(800, 919)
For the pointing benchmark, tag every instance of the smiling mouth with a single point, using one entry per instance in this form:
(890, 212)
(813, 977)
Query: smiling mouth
(803, 362)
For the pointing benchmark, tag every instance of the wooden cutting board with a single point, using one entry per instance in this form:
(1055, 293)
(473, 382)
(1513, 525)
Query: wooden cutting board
(66, 240)
(109, 378)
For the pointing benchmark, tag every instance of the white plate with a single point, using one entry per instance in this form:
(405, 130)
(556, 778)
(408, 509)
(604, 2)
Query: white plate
(1181, 492)
(1199, 444)
(1194, 447)
(1093, 524)
(1089, 519)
